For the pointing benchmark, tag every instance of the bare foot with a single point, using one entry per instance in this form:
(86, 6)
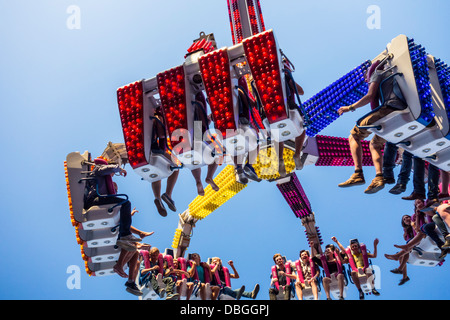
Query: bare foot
(143, 246)
(119, 271)
(391, 257)
(213, 185)
(144, 234)
(200, 190)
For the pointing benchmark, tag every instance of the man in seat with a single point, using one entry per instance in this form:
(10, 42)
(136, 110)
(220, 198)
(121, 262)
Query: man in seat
(392, 102)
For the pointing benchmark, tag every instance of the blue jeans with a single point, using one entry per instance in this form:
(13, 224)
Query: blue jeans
(419, 178)
(429, 230)
(125, 212)
(389, 156)
(233, 293)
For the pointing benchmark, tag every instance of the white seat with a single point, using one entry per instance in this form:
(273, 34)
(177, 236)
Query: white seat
(400, 125)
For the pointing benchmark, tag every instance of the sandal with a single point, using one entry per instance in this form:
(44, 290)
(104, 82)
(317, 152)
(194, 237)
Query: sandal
(169, 201)
(161, 210)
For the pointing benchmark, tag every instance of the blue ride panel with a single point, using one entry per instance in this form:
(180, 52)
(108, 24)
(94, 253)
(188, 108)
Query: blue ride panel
(322, 107)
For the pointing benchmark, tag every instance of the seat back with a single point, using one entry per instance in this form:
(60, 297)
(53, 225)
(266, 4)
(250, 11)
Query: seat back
(408, 62)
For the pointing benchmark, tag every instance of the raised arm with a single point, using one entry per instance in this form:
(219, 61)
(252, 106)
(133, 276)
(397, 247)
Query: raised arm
(373, 89)
(235, 274)
(374, 254)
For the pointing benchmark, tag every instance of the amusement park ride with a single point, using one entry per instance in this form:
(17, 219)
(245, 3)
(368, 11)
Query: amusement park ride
(256, 65)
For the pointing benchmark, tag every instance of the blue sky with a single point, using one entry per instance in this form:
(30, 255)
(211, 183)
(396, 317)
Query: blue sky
(58, 95)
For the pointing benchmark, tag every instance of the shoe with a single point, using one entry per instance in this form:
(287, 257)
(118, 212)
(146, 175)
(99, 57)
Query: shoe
(431, 202)
(251, 173)
(355, 180)
(446, 245)
(341, 298)
(240, 292)
(403, 281)
(169, 201)
(240, 176)
(172, 296)
(389, 180)
(443, 253)
(376, 185)
(132, 288)
(160, 207)
(398, 188)
(361, 295)
(162, 293)
(130, 238)
(414, 196)
(298, 163)
(375, 292)
(443, 196)
(255, 291)
(396, 271)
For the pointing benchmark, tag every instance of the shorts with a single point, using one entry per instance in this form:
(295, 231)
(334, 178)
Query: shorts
(361, 134)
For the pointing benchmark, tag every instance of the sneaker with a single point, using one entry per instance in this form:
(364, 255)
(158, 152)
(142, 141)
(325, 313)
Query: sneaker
(251, 173)
(443, 253)
(443, 196)
(240, 176)
(131, 238)
(169, 201)
(133, 289)
(355, 180)
(160, 207)
(162, 293)
(446, 245)
(376, 185)
(403, 281)
(361, 295)
(398, 188)
(255, 291)
(375, 292)
(389, 180)
(414, 196)
(240, 292)
(431, 202)
(396, 271)
(172, 296)
(298, 163)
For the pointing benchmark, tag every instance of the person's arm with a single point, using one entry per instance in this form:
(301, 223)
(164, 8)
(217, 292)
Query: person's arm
(234, 275)
(289, 275)
(299, 89)
(314, 250)
(208, 269)
(374, 254)
(373, 89)
(345, 259)
(315, 276)
(107, 169)
(192, 270)
(338, 243)
(154, 268)
(214, 269)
